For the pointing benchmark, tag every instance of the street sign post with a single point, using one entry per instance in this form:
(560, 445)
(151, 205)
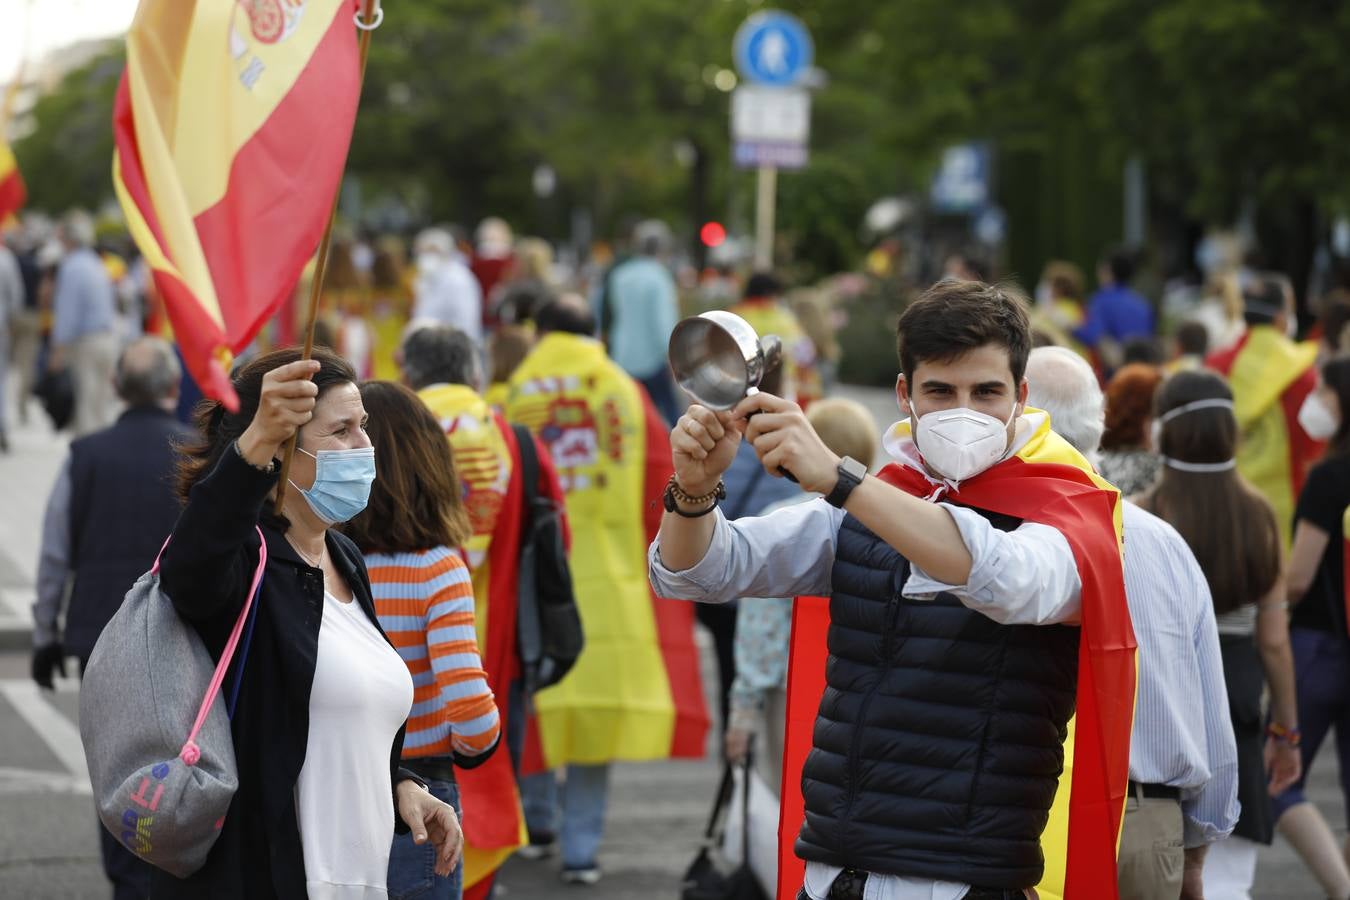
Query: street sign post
(771, 112)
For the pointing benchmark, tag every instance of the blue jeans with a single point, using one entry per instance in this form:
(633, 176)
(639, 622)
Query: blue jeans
(412, 868)
(585, 794)
(1322, 678)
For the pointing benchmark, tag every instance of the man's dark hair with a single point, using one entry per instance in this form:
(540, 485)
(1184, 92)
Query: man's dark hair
(763, 284)
(1263, 297)
(1193, 339)
(567, 315)
(1142, 350)
(955, 317)
(439, 354)
(1120, 263)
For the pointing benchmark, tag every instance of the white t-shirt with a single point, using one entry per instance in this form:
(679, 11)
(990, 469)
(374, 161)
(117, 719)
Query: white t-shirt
(362, 693)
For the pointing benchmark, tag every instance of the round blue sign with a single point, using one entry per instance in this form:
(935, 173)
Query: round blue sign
(773, 48)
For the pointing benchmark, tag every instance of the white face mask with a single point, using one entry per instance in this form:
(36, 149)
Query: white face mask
(961, 443)
(1316, 419)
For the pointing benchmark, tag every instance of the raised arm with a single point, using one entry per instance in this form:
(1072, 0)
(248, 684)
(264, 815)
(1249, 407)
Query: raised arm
(207, 566)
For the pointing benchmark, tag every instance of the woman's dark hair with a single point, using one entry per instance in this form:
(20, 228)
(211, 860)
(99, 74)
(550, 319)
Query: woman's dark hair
(1336, 375)
(415, 501)
(218, 429)
(954, 317)
(1129, 402)
(1230, 528)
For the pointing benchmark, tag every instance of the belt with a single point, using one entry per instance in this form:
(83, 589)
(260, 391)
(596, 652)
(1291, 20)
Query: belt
(431, 768)
(1154, 791)
(851, 883)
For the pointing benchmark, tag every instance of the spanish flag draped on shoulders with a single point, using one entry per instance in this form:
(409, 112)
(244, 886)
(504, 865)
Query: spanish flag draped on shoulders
(635, 692)
(1271, 376)
(485, 452)
(1043, 481)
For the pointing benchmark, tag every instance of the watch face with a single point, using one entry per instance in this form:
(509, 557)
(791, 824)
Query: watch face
(853, 468)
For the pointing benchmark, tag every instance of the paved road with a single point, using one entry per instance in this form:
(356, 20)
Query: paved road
(48, 837)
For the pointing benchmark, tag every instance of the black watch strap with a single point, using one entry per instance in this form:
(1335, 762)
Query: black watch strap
(851, 474)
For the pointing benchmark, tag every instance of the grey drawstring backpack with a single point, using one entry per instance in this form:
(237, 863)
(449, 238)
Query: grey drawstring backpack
(159, 748)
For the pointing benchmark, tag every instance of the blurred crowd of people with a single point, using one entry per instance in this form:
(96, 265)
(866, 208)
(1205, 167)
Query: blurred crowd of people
(505, 392)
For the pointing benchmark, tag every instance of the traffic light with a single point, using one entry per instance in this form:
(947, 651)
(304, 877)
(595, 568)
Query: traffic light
(712, 234)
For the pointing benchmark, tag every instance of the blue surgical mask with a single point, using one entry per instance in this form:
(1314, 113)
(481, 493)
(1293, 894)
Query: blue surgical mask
(342, 480)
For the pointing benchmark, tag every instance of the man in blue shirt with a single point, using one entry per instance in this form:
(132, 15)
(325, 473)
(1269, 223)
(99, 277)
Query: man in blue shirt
(1115, 312)
(84, 315)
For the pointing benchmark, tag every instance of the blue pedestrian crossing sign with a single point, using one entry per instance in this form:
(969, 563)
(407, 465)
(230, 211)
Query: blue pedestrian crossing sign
(773, 48)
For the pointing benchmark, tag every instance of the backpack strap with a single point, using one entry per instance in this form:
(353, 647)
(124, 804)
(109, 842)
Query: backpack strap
(529, 466)
(191, 753)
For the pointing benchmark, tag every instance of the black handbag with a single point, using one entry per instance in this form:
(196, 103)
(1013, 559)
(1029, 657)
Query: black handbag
(709, 877)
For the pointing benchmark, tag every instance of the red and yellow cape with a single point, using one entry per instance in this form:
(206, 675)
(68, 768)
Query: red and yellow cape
(1271, 376)
(1049, 482)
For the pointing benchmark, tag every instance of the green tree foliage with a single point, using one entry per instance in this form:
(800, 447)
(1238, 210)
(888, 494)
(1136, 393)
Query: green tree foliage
(1225, 100)
(67, 159)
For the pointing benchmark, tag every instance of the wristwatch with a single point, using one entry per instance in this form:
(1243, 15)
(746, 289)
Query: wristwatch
(851, 474)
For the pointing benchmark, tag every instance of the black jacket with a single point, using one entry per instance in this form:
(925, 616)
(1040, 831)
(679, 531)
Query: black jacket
(122, 507)
(206, 571)
(938, 745)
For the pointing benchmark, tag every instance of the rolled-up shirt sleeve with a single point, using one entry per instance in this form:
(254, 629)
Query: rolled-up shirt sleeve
(1027, 576)
(787, 554)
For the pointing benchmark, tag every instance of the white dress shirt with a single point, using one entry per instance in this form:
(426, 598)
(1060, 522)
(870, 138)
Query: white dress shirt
(1027, 576)
(1183, 736)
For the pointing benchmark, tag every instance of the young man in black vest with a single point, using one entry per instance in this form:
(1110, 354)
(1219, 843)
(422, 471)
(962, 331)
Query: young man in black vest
(953, 640)
(107, 516)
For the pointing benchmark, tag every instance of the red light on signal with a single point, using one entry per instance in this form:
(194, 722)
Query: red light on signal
(712, 234)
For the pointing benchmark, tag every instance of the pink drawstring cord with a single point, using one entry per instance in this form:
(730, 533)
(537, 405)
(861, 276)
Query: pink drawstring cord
(191, 754)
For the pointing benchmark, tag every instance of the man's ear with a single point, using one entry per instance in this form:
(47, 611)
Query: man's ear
(1023, 391)
(902, 394)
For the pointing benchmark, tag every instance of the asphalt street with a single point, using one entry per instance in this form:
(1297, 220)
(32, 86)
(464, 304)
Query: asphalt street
(48, 837)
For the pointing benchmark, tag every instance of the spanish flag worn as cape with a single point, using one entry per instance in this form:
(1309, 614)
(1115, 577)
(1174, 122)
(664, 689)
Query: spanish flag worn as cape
(231, 127)
(1048, 482)
(485, 450)
(1271, 376)
(635, 692)
(13, 193)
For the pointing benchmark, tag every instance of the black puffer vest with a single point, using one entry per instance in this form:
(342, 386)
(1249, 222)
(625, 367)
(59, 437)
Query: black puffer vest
(938, 744)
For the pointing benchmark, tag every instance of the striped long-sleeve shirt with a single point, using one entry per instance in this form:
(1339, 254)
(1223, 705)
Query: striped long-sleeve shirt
(425, 603)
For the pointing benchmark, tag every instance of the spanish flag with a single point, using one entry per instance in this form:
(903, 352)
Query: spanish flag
(13, 193)
(636, 692)
(485, 449)
(1049, 482)
(231, 127)
(1271, 376)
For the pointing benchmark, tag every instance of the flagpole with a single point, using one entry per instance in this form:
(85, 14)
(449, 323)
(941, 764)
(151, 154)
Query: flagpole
(370, 17)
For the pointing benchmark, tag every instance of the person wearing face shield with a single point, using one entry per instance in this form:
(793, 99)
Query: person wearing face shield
(1271, 375)
(323, 696)
(976, 605)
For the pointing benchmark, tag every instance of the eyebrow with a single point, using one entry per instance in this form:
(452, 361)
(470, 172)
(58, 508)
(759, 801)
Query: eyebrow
(933, 384)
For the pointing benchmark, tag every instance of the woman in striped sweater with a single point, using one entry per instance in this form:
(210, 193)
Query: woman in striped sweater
(409, 533)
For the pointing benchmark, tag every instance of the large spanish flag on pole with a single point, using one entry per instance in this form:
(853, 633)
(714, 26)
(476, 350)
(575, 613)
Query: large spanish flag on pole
(1271, 376)
(13, 194)
(1049, 482)
(231, 128)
